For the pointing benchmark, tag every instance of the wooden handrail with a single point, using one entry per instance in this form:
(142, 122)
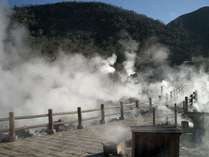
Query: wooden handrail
(30, 116)
(110, 108)
(91, 118)
(64, 113)
(124, 108)
(91, 110)
(4, 119)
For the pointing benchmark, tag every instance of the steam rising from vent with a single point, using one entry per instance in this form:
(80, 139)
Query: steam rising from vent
(130, 47)
(31, 84)
(106, 65)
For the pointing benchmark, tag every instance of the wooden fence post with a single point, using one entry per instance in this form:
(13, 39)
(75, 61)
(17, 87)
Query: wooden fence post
(137, 104)
(153, 116)
(150, 103)
(12, 135)
(186, 105)
(161, 91)
(79, 118)
(121, 111)
(102, 121)
(50, 120)
(175, 114)
(191, 99)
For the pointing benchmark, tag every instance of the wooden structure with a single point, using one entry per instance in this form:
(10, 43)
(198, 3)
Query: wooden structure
(102, 112)
(120, 110)
(155, 141)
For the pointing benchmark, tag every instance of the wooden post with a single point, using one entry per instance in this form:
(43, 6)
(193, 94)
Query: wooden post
(191, 100)
(161, 91)
(137, 104)
(150, 103)
(175, 115)
(121, 111)
(102, 121)
(79, 118)
(186, 104)
(153, 115)
(50, 120)
(12, 135)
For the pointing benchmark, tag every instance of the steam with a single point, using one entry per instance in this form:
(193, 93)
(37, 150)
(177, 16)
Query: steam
(130, 47)
(29, 84)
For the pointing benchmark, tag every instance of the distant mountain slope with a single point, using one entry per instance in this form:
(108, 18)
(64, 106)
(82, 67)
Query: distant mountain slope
(196, 24)
(93, 27)
(88, 22)
(99, 19)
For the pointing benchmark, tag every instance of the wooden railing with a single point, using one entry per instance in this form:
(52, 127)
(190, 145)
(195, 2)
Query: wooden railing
(123, 108)
(101, 116)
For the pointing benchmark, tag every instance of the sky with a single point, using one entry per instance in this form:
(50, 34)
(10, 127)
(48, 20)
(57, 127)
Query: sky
(163, 10)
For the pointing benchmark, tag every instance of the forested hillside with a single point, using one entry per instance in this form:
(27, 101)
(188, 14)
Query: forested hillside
(92, 27)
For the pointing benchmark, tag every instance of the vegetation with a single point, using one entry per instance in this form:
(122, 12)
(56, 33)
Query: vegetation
(93, 27)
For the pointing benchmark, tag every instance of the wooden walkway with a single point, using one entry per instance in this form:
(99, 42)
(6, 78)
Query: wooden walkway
(72, 143)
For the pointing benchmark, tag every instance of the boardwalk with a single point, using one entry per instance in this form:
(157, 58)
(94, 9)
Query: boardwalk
(72, 143)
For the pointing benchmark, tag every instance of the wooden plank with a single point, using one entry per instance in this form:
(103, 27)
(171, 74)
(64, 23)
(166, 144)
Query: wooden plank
(30, 116)
(111, 108)
(64, 113)
(4, 119)
(91, 110)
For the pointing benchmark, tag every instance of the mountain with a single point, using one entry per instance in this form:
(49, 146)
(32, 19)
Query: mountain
(196, 25)
(96, 24)
(94, 27)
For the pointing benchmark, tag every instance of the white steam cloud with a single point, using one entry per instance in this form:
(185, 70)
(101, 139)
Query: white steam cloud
(30, 84)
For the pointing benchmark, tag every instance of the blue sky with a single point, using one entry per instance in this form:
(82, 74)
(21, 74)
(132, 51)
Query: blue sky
(163, 10)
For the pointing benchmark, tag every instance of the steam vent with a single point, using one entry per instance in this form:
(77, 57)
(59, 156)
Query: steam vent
(155, 141)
